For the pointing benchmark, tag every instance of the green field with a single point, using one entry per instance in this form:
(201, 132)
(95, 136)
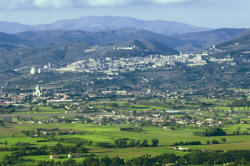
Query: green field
(28, 119)
(109, 133)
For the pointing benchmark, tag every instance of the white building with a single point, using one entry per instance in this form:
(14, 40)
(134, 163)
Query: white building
(74, 155)
(33, 71)
(38, 91)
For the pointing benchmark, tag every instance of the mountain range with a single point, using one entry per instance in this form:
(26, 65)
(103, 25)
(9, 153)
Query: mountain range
(190, 42)
(62, 44)
(105, 23)
(54, 37)
(109, 30)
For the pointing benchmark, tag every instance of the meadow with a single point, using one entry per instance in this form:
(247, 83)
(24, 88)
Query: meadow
(97, 132)
(107, 133)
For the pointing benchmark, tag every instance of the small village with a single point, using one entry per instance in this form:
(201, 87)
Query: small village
(113, 66)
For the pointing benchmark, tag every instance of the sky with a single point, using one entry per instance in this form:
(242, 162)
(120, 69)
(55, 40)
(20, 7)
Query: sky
(203, 13)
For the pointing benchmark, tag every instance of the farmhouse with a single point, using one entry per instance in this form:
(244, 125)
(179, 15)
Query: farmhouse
(174, 112)
(181, 148)
(52, 157)
(74, 155)
(170, 164)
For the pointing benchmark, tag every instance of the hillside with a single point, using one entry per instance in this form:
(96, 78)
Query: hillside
(198, 41)
(9, 38)
(143, 53)
(55, 37)
(139, 48)
(237, 44)
(19, 56)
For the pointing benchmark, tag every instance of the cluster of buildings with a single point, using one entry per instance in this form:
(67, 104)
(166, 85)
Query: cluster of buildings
(46, 68)
(56, 96)
(114, 66)
(156, 117)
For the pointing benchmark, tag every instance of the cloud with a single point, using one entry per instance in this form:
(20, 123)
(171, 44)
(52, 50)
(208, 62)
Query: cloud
(26, 4)
(167, 1)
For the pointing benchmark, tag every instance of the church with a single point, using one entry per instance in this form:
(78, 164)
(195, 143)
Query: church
(38, 91)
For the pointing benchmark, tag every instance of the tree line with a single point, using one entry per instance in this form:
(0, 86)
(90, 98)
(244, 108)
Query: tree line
(25, 149)
(211, 131)
(210, 158)
(126, 143)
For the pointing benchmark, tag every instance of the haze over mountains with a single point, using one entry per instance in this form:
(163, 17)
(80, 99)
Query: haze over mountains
(106, 23)
(110, 30)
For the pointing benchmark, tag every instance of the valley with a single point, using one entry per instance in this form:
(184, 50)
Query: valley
(131, 92)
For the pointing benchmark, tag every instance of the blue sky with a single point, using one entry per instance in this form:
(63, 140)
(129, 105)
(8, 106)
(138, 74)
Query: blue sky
(206, 13)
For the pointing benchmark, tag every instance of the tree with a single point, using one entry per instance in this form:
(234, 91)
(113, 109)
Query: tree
(215, 142)
(82, 149)
(121, 143)
(138, 143)
(90, 161)
(155, 142)
(132, 143)
(58, 149)
(144, 143)
(224, 140)
(106, 161)
(70, 162)
(215, 132)
(2, 124)
(117, 161)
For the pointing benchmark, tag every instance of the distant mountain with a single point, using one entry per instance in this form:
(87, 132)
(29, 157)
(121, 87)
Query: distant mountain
(239, 43)
(54, 37)
(12, 27)
(198, 41)
(106, 23)
(190, 42)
